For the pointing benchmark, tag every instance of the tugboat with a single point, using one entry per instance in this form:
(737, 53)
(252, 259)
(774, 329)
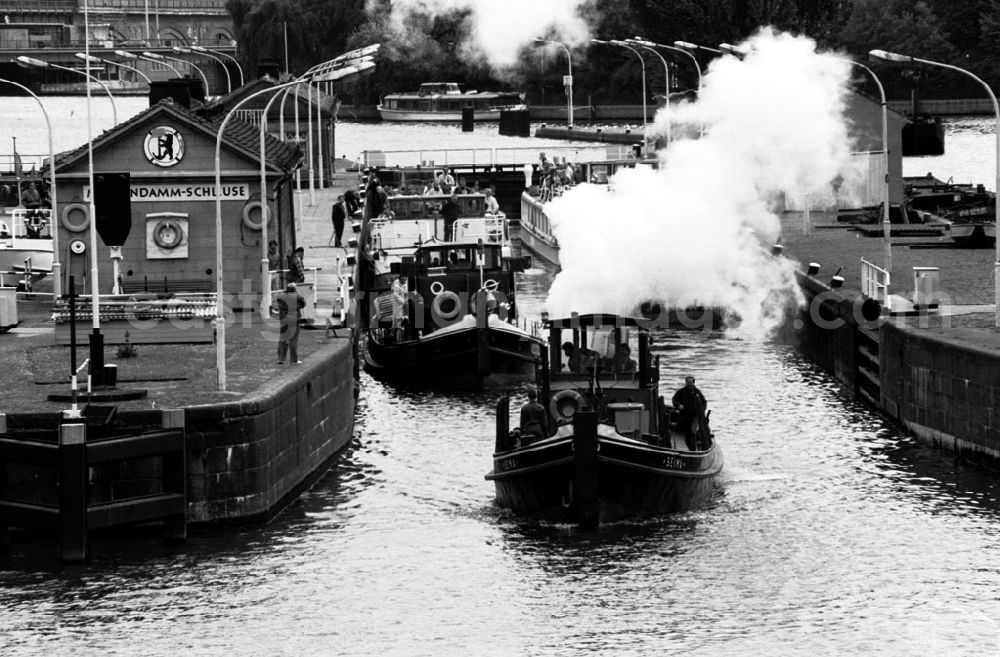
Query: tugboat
(613, 449)
(442, 311)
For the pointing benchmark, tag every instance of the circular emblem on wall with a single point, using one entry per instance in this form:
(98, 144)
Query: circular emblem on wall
(163, 146)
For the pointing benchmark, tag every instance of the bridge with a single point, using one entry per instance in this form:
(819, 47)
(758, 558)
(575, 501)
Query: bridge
(53, 31)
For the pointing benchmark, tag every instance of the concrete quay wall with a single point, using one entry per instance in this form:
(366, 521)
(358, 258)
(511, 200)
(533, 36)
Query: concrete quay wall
(939, 384)
(245, 459)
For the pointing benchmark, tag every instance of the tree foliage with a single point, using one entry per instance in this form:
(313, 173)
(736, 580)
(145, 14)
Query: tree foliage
(421, 47)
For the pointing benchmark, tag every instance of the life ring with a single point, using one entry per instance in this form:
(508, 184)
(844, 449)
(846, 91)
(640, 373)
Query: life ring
(490, 285)
(438, 306)
(78, 247)
(248, 221)
(70, 224)
(437, 287)
(168, 234)
(564, 405)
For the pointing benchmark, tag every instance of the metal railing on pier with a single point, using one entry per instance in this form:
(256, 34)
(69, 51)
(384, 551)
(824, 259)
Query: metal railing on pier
(488, 157)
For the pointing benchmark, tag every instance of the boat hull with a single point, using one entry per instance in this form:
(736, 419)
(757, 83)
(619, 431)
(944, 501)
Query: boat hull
(470, 357)
(421, 116)
(13, 253)
(973, 235)
(617, 478)
(536, 230)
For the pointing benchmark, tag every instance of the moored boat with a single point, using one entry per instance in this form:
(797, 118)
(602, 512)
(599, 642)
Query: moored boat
(969, 209)
(614, 449)
(26, 240)
(452, 318)
(444, 101)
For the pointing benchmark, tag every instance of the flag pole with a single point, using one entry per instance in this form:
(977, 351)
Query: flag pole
(17, 171)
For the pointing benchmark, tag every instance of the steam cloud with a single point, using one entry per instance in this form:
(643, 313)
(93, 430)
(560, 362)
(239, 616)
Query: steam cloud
(698, 230)
(503, 27)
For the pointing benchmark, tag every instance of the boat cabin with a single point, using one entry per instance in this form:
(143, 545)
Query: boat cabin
(602, 361)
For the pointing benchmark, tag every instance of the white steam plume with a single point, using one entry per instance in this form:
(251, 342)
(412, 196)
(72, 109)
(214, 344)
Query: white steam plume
(698, 231)
(503, 27)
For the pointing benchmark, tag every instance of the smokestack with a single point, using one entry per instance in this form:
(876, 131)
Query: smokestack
(176, 90)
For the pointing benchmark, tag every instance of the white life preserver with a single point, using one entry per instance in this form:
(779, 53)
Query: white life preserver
(437, 287)
(248, 221)
(490, 285)
(168, 234)
(75, 226)
(564, 405)
(438, 305)
(78, 247)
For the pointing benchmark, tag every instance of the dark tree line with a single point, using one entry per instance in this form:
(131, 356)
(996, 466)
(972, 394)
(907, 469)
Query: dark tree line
(964, 33)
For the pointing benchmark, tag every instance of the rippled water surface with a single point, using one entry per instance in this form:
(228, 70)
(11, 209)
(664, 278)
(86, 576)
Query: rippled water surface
(829, 533)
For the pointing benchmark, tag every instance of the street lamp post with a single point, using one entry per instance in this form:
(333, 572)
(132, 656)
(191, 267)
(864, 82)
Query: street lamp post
(190, 51)
(31, 62)
(687, 45)
(666, 79)
(239, 68)
(56, 266)
(642, 63)
(694, 60)
(568, 82)
(98, 60)
(159, 59)
(907, 59)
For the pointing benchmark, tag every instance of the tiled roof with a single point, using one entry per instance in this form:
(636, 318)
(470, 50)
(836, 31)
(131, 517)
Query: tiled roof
(239, 135)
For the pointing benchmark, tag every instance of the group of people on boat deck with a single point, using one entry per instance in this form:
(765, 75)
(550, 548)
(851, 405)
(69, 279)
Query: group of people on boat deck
(689, 402)
(583, 361)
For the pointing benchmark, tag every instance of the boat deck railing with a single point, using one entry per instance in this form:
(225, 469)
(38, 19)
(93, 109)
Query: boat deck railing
(189, 305)
(30, 224)
(490, 157)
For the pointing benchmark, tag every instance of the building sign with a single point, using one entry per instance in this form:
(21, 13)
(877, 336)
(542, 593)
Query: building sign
(163, 146)
(151, 192)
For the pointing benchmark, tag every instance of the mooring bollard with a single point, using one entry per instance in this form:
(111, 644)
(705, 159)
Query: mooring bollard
(73, 491)
(585, 480)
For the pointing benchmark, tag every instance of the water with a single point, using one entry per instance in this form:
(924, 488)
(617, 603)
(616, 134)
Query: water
(830, 533)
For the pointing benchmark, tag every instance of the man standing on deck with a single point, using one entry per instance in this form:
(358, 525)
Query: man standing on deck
(492, 207)
(338, 216)
(400, 293)
(449, 212)
(534, 419)
(691, 404)
(289, 305)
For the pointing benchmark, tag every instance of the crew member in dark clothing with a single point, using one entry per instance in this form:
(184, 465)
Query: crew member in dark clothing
(691, 404)
(289, 305)
(449, 212)
(534, 419)
(338, 216)
(351, 201)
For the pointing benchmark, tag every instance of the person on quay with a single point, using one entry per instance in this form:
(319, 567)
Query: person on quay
(352, 202)
(273, 257)
(534, 419)
(338, 215)
(690, 404)
(399, 293)
(289, 305)
(296, 266)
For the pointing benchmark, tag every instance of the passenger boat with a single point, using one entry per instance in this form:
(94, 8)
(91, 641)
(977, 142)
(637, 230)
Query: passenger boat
(614, 449)
(969, 209)
(460, 326)
(444, 101)
(536, 231)
(26, 240)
